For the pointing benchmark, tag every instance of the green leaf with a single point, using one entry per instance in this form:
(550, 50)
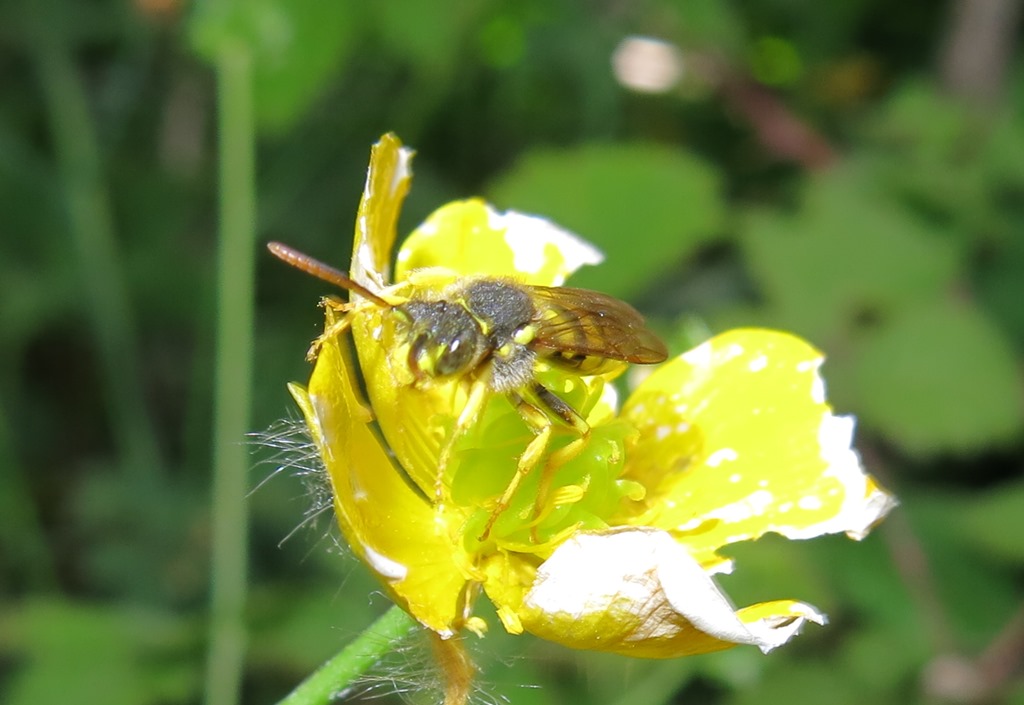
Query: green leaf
(1004, 156)
(1000, 285)
(918, 115)
(302, 626)
(713, 23)
(959, 572)
(96, 654)
(939, 378)
(847, 253)
(884, 656)
(805, 683)
(773, 568)
(993, 523)
(296, 46)
(882, 636)
(954, 165)
(427, 38)
(646, 207)
(865, 583)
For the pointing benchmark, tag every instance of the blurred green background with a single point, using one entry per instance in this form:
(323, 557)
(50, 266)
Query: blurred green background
(852, 171)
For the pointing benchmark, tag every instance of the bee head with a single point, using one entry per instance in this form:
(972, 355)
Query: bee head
(444, 339)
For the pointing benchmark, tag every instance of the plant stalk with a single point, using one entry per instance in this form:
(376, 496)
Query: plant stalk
(232, 374)
(354, 660)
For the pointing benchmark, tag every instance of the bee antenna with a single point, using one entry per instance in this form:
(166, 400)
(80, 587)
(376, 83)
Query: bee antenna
(322, 271)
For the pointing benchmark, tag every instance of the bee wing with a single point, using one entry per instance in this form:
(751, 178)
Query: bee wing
(577, 324)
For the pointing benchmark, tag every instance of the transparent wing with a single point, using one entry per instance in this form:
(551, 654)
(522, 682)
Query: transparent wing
(580, 328)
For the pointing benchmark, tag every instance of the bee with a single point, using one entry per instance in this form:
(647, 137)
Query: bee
(491, 333)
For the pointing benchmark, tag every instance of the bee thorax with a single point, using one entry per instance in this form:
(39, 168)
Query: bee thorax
(503, 307)
(512, 367)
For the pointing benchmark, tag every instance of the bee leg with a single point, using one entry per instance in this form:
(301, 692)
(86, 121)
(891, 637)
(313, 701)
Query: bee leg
(540, 423)
(554, 406)
(478, 393)
(330, 331)
(540, 407)
(338, 321)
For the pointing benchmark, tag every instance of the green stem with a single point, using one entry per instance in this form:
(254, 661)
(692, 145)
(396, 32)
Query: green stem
(232, 374)
(379, 639)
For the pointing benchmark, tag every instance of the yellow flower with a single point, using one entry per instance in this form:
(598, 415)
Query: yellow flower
(617, 549)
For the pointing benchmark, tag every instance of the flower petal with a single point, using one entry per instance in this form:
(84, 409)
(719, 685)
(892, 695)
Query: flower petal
(387, 183)
(736, 440)
(471, 238)
(413, 421)
(390, 526)
(639, 592)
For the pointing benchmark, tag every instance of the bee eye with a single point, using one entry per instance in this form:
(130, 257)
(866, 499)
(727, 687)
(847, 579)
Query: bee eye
(417, 353)
(454, 357)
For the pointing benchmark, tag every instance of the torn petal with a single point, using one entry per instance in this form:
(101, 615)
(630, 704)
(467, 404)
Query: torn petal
(737, 440)
(638, 592)
(387, 183)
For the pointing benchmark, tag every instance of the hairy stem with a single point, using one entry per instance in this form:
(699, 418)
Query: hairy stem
(379, 639)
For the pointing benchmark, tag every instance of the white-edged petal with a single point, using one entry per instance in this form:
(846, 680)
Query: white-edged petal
(530, 236)
(650, 588)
